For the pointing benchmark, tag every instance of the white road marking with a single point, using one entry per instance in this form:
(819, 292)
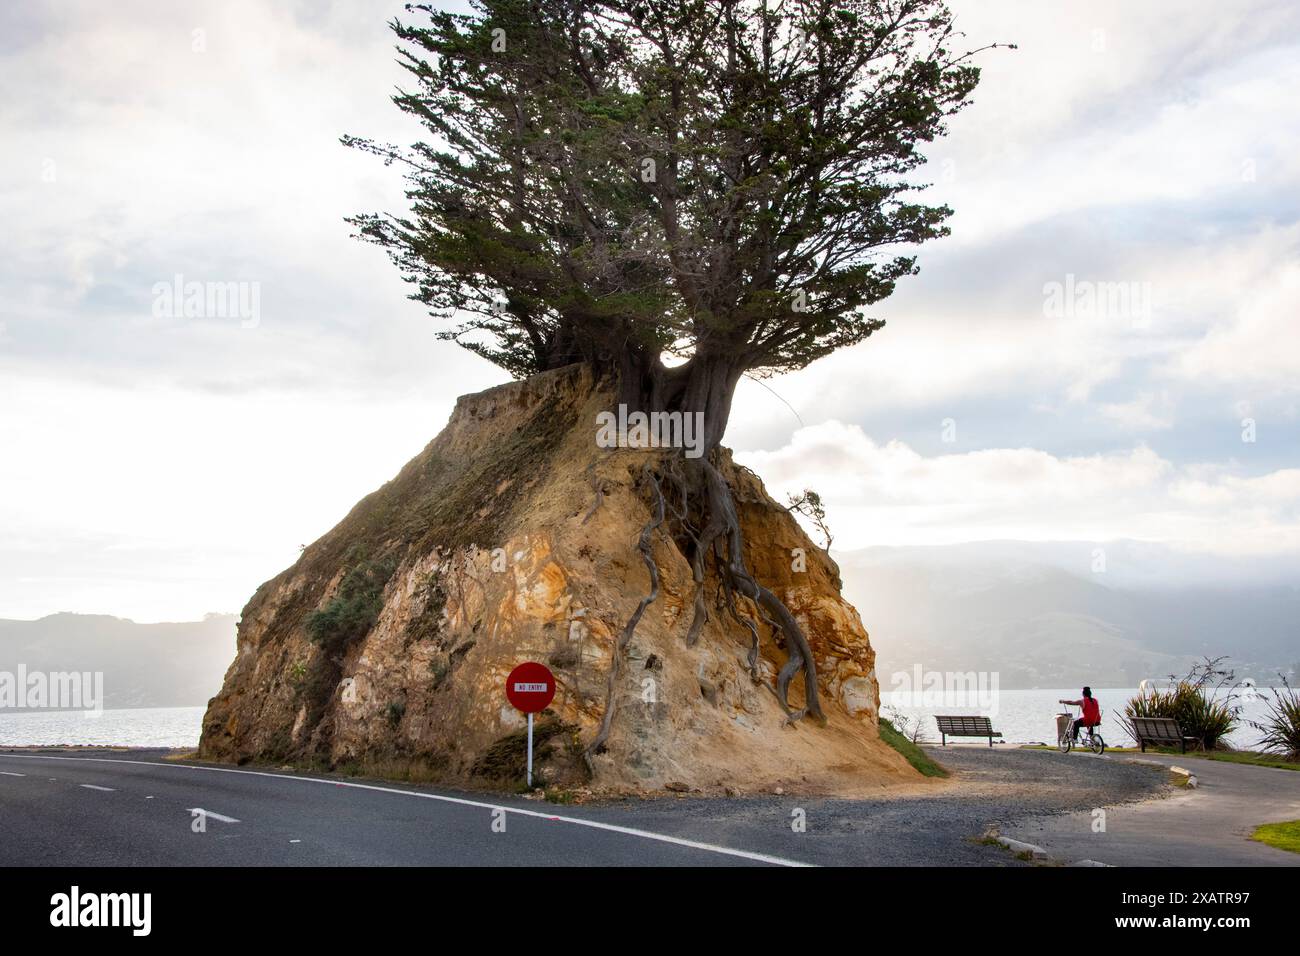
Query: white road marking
(214, 816)
(9, 773)
(91, 786)
(519, 811)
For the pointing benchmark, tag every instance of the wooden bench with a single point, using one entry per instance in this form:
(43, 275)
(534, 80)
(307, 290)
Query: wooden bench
(1158, 730)
(966, 727)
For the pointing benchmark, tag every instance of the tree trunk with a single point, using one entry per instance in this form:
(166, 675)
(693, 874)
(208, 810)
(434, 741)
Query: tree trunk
(704, 385)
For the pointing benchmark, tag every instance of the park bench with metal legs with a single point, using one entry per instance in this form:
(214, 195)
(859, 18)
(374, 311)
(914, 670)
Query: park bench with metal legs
(965, 727)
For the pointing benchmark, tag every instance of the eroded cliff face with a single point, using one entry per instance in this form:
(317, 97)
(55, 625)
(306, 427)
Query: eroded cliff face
(385, 648)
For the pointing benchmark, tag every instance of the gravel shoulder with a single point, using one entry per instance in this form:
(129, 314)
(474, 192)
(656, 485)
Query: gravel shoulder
(1004, 788)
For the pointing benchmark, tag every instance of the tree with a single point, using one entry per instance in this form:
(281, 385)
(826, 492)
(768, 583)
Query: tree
(809, 504)
(677, 193)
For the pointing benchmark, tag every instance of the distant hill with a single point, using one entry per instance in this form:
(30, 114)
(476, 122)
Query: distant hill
(1039, 616)
(144, 665)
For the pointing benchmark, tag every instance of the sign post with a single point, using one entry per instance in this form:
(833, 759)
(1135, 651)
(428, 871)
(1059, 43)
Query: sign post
(530, 688)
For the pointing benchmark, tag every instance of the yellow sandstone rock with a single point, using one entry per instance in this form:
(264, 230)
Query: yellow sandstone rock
(488, 549)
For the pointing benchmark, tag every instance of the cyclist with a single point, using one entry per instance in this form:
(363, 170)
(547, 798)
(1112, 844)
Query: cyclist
(1091, 712)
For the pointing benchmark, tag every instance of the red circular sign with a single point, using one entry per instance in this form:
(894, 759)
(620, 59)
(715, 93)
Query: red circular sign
(531, 687)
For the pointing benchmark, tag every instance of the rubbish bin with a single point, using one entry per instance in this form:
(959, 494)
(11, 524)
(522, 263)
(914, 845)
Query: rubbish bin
(1063, 725)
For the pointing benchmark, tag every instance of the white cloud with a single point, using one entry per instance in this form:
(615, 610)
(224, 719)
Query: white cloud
(1114, 103)
(1147, 412)
(889, 494)
(1259, 346)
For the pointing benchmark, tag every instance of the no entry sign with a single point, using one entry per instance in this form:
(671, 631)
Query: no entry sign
(530, 687)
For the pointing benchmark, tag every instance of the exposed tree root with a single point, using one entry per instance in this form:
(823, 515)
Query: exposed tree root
(598, 485)
(721, 540)
(751, 660)
(722, 508)
(703, 545)
(597, 744)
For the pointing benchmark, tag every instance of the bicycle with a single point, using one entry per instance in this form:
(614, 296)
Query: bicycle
(1090, 737)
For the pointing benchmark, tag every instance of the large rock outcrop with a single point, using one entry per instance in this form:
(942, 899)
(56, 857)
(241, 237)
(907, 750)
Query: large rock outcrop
(386, 646)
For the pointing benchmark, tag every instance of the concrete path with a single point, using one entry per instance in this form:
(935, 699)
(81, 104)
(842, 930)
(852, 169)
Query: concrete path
(1208, 826)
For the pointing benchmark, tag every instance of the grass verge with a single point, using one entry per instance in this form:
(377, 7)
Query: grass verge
(1251, 758)
(914, 755)
(1284, 836)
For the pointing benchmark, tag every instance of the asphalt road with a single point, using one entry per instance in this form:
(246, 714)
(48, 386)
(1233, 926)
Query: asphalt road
(138, 809)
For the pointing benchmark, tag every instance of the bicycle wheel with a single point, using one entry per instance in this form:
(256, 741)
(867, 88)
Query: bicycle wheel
(1098, 745)
(1065, 743)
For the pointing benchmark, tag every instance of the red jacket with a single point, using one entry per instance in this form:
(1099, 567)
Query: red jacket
(1091, 712)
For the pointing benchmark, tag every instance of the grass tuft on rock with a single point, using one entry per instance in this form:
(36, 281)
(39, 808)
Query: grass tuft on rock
(354, 609)
(914, 755)
(507, 757)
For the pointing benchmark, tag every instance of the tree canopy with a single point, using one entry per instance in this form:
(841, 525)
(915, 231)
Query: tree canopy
(720, 181)
(678, 192)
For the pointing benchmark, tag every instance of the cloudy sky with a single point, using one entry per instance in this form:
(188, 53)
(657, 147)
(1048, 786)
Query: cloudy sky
(1105, 348)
